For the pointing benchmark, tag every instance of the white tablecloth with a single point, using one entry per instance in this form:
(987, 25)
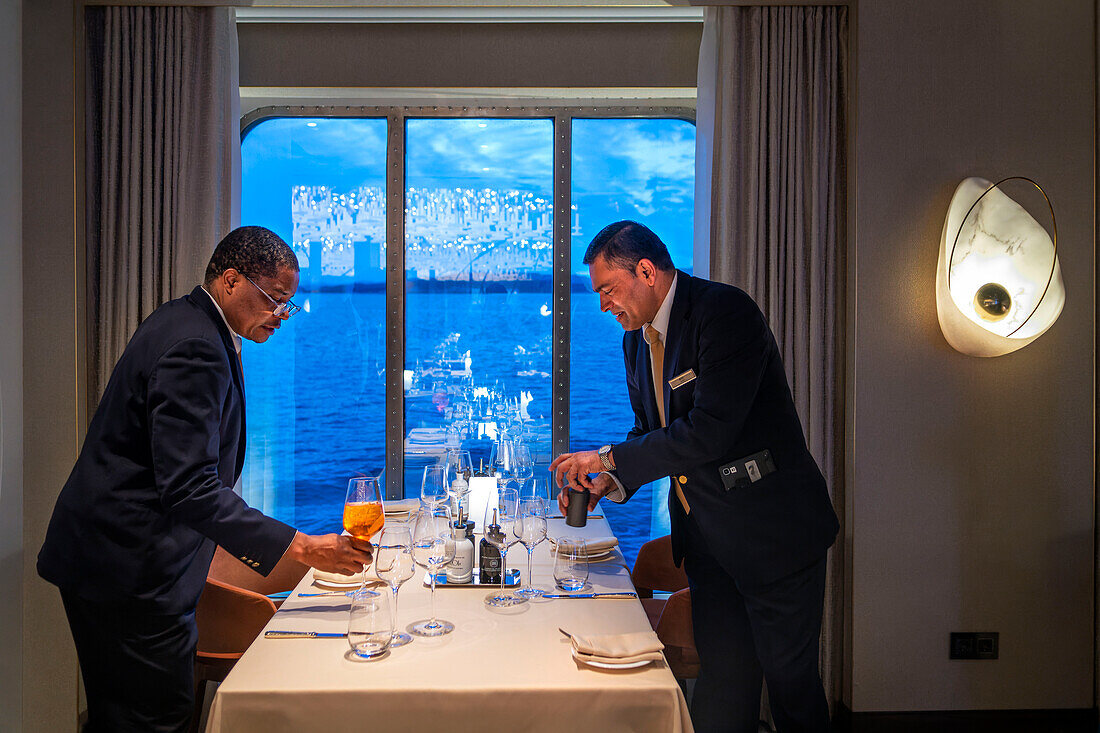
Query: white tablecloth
(509, 672)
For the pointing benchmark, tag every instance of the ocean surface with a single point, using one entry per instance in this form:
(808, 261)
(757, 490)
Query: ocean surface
(315, 394)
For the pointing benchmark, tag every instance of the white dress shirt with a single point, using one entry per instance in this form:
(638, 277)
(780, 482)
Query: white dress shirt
(659, 322)
(236, 338)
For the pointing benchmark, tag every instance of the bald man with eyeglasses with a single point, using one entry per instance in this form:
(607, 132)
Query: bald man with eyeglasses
(136, 524)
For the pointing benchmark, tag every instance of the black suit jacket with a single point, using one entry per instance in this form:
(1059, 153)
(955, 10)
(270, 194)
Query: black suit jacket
(151, 493)
(739, 403)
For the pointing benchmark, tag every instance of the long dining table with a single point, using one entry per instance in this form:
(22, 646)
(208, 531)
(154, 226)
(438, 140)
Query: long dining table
(496, 671)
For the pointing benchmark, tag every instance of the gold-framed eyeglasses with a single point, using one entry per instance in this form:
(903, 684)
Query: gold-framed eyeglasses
(281, 309)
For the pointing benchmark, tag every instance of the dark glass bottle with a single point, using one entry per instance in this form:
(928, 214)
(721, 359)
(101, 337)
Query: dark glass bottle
(488, 556)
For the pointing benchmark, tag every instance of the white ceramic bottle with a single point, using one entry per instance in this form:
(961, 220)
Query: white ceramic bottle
(461, 569)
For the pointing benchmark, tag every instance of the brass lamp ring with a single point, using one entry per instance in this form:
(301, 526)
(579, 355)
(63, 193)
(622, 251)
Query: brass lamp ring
(1054, 238)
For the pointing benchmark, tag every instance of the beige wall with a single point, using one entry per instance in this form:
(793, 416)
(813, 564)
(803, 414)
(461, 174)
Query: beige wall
(971, 499)
(11, 370)
(52, 421)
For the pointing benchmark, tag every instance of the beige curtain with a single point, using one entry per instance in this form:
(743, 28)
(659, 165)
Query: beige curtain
(771, 213)
(163, 162)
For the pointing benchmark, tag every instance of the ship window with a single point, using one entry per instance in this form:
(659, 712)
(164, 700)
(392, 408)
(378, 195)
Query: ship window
(491, 266)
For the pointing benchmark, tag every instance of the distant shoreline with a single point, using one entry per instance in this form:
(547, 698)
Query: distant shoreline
(419, 285)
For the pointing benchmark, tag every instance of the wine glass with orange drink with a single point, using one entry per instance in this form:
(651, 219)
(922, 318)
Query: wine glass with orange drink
(363, 515)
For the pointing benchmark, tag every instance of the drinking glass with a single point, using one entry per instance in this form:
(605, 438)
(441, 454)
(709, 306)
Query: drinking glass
(363, 515)
(433, 488)
(457, 478)
(502, 460)
(394, 562)
(370, 624)
(524, 467)
(530, 529)
(571, 564)
(504, 513)
(433, 547)
(539, 487)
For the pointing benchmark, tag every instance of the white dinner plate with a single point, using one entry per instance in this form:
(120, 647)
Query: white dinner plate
(336, 586)
(609, 665)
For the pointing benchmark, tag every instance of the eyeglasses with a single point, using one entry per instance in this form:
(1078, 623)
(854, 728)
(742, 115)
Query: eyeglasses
(281, 309)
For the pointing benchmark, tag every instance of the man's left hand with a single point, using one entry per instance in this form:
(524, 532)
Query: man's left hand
(575, 467)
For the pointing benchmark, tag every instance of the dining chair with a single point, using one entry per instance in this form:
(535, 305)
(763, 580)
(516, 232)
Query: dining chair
(232, 611)
(654, 570)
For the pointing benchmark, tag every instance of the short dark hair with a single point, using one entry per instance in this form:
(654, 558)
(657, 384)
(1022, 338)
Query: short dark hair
(626, 243)
(252, 251)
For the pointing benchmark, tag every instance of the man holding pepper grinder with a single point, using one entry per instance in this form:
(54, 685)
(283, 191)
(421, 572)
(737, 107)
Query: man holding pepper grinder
(751, 517)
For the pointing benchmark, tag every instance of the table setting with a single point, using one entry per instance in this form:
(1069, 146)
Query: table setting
(411, 644)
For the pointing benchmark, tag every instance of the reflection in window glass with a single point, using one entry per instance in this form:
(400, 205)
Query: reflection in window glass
(478, 245)
(644, 170)
(316, 389)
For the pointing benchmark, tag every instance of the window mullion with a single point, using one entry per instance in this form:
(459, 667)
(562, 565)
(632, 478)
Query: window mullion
(395, 304)
(559, 387)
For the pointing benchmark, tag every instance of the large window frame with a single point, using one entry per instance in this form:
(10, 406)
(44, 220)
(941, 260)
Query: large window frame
(395, 116)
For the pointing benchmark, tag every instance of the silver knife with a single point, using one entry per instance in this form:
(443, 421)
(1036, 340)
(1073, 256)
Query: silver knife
(624, 594)
(304, 635)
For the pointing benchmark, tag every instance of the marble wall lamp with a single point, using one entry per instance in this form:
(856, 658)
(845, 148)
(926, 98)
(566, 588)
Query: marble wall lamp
(998, 284)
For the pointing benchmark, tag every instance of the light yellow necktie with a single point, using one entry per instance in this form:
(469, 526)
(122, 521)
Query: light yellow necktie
(657, 357)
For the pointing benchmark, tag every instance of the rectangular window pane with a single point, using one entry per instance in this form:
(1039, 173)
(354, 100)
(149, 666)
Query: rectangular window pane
(478, 233)
(315, 390)
(642, 170)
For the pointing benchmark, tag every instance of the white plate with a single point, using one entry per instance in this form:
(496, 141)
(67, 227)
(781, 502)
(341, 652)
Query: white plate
(609, 665)
(336, 586)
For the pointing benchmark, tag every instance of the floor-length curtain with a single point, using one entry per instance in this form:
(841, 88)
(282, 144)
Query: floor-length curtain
(163, 162)
(771, 214)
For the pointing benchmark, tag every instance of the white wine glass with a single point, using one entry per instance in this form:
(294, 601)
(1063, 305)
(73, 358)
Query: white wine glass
(370, 624)
(503, 514)
(394, 562)
(457, 479)
(433, 487)
(433, 548)
(530, 529)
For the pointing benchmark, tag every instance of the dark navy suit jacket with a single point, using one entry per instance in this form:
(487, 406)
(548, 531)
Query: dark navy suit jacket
(151, 493)
(738, 404)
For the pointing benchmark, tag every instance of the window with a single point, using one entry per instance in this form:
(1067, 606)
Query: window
(491, 266)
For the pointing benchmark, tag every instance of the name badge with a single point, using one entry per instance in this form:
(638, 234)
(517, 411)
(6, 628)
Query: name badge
(682, 379)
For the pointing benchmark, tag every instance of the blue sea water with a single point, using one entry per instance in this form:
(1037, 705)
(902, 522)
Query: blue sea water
(315, 394)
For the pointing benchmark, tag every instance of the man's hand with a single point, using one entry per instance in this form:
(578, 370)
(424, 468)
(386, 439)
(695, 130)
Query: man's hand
(332, 553)
(600, 486)
(575, 467)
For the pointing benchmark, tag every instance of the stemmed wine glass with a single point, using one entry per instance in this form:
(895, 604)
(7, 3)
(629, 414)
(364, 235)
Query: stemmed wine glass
(524, 465)
(530, 529)
(503, 513)
(433, 547)
(363, 514)
(394, 561)
(502, 459)
(457, 478)
(433, 488)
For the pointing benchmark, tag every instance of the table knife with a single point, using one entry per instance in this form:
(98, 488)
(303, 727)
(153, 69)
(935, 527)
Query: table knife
(623, 594)
(304, 635)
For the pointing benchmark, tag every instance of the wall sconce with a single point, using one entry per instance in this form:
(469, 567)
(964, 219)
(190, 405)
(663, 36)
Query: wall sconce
(998, 284)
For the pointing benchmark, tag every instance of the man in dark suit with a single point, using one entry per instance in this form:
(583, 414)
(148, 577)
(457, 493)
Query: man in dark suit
(751, 517)
(135, 526)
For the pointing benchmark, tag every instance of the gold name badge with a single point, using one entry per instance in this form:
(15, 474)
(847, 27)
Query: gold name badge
(682, 379)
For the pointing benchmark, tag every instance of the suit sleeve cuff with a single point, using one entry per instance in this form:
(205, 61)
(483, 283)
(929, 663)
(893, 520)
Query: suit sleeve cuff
(617, 494)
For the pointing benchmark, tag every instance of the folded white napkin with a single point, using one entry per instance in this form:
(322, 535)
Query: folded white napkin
(618, 648)
(596, 544)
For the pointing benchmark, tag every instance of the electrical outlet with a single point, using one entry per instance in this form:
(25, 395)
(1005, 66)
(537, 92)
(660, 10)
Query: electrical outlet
(974, 645)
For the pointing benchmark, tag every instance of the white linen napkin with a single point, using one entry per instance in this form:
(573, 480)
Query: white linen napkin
(365, 576)
(618, 648)
(595, 544)
(400, 506)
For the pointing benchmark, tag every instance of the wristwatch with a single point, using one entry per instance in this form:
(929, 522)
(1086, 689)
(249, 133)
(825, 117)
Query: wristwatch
(605, 458)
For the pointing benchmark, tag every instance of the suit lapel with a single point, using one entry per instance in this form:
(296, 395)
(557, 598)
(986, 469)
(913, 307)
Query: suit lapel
(674, 339)
(206, 303)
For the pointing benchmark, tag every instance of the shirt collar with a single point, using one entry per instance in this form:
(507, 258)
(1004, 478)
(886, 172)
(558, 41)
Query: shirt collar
(232, 333)
(660, 321)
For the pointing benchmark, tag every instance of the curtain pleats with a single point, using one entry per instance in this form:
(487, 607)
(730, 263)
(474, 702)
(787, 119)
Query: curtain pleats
(163, 143)
(774, 218)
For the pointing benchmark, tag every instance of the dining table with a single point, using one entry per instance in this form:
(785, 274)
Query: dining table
(507, 670)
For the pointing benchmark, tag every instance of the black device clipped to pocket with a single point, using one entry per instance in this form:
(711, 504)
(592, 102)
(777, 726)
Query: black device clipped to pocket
(747, 470)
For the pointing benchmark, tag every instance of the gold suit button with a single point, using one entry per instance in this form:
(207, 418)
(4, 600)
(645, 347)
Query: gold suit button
(683, 479)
